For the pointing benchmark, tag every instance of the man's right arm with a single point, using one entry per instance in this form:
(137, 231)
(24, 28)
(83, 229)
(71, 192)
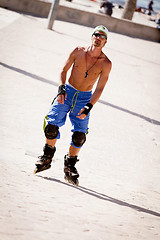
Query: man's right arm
(62, 94)
(67, 65)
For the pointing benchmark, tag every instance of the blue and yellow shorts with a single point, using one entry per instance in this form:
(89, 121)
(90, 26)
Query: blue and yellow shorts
(75, 101)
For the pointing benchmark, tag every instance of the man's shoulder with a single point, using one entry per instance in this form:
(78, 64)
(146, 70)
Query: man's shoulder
(106, 60)
(79, 49)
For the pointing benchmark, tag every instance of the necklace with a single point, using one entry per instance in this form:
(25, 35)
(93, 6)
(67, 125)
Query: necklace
(86, 72)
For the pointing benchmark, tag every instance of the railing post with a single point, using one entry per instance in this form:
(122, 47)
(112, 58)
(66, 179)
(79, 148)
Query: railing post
(53, 13)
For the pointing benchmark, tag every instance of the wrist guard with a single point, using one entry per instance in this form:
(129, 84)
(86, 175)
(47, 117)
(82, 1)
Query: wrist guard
(61, 90)
(87, 108)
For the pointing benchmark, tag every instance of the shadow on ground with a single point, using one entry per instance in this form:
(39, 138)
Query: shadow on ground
(102, 196)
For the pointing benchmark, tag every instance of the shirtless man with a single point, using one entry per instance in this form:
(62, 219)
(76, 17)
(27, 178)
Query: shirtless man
(76, 98)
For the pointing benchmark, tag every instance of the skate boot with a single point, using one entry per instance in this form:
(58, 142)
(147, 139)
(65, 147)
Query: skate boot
(45, 160)
(71, 173)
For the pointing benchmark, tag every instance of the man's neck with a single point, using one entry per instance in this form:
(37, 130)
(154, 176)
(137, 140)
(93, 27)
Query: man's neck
(94, 51)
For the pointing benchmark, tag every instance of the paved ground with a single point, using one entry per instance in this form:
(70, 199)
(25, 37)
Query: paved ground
(119, 192)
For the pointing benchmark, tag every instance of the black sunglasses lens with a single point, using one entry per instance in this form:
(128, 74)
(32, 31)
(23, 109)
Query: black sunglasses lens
(99, 35)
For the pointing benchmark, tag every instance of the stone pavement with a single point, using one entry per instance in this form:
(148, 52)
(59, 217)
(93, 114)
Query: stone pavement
(119, 192)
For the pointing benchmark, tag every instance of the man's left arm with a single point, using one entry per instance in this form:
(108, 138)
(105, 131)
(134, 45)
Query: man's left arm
(98, 91)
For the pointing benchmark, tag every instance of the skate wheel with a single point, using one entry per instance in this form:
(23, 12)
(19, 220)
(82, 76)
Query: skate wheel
(35, 170)
(65, 178)
(40, 169)
(77, 182)
(71, 181)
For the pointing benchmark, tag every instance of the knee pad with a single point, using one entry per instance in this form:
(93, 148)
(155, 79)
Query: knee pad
(78, 138)
(51, 131)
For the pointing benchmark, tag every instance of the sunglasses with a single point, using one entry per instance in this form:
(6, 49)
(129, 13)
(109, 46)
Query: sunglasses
(99, 35)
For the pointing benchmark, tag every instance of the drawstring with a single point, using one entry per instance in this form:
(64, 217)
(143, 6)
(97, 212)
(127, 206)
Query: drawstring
(74, 96)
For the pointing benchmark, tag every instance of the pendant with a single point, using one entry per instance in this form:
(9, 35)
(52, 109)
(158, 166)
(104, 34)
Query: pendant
(86, 74)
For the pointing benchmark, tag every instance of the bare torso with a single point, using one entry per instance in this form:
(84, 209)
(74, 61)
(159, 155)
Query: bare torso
(81, 64)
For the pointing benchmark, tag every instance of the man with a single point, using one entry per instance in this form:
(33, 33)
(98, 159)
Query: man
(76, 98)
(107, 7)
(150, 8)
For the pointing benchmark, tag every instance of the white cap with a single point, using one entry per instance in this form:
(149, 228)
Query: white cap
(101, 29)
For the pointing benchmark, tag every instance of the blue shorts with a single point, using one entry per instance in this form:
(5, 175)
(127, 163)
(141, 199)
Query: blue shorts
(75, 101)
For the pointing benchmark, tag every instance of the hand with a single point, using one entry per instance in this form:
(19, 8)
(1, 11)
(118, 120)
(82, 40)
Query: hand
(62, 95)
(61, 98)
(81, 115)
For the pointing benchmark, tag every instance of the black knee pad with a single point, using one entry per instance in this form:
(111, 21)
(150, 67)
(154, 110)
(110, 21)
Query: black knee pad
(78, 138)
(51, 131)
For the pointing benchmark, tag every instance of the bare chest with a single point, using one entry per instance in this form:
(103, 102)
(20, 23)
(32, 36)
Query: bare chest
(87, 65)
